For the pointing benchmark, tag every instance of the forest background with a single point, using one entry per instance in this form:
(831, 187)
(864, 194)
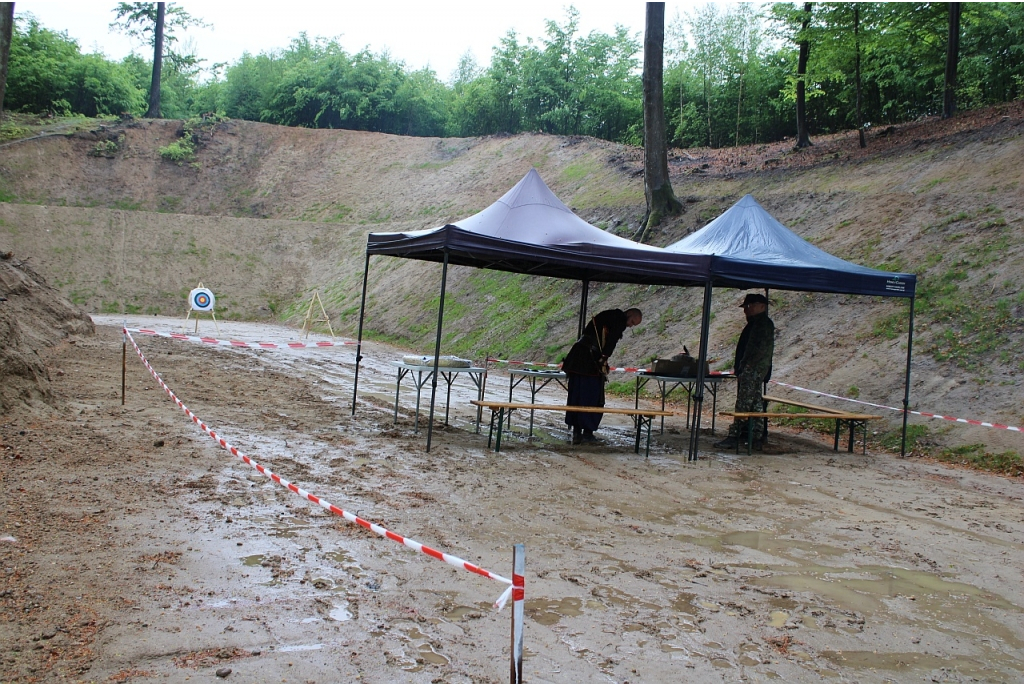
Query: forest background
(730, 78)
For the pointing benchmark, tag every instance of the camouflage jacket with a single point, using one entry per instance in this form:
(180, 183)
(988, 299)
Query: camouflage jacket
(755, 348)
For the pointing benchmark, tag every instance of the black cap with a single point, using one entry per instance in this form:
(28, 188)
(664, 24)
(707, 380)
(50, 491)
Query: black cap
(754, 298)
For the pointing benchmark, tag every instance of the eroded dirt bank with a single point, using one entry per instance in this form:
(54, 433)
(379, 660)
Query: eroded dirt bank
(135, 550)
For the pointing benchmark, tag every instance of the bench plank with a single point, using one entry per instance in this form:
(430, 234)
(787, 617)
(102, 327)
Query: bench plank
(563, 407)
(641, 417)
(804, 405)
(830, 414)
(844, 416)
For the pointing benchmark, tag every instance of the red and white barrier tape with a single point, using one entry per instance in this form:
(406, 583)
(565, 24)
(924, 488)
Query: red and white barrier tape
(379, 530)
(513, 362)
(972, 422)
(239, 343)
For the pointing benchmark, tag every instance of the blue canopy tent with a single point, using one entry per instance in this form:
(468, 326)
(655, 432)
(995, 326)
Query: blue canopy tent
(749, 248)
(530, 231)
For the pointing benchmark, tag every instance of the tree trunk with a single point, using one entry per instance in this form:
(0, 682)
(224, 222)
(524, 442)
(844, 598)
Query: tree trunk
(739, 109)
(802, 138)
(952, 57)
(158, 62)
(661, 201)
(6, 34)
(856, 47)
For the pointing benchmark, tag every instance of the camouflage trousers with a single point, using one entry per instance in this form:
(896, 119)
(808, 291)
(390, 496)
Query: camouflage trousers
(749, 387)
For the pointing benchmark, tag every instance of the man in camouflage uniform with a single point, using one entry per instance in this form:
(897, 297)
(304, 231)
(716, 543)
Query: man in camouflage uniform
(753, 367)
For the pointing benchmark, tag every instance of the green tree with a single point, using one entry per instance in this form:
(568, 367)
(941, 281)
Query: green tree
(6, 35)
(661, 199)
(47, 72)
(155, 24)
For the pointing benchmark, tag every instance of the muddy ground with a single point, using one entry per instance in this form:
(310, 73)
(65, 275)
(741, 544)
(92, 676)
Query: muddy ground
(134, 549)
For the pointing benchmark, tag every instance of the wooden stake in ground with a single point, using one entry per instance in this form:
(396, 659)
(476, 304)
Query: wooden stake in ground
(518, 606)
(307, 324)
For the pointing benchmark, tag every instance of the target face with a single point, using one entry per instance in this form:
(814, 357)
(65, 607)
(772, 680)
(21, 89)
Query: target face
(201, 300)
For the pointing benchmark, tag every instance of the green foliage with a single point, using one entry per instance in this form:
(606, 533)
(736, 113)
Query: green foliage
(9, 131)
(181, 151)
(976, 456)
(48, 73)
(195, 132)
(916, 438)
(729, 76)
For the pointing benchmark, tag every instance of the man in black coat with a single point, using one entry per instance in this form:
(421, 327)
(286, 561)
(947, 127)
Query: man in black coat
(586, 368)
(753, 368)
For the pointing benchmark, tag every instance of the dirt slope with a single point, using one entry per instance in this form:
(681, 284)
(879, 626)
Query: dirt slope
(33, 317)
(267, 214)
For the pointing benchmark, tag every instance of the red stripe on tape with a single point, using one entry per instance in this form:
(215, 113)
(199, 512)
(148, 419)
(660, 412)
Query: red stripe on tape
(433, 553)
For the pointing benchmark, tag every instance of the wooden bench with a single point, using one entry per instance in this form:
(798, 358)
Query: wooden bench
(816, 412)
(499, 410)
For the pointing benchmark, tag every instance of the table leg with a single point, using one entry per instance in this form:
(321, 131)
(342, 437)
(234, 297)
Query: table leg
(533, 400)
(638, 423)
(689, 400)
(490, 431)
(853, 426)
(448, 398)
(835, 442)
(664, 394)
(398, 384)
(419, 388)
(713, 389)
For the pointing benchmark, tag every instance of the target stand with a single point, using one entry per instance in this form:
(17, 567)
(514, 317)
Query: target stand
(201, 300)
(308, 322)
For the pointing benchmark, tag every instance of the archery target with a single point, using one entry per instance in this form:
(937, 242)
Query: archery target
(201, 300)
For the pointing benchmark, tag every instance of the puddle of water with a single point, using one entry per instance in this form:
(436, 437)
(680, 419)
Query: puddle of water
(340, 556)
(300, 648)
(548, 612)
(341, 613)
(748, 661)
(710, 606)
(311, 619)
(713, 645)
(461, 612)
(778, 619)
(762, 542)
(684, 603)
(428, 654)
(673, 649)
(721, 663)
(287, 526)
(253, 560)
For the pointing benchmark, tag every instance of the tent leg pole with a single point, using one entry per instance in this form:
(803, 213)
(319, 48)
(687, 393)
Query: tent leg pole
(437, 349)
(906, 384)
(359, 335)
(584, 297)
(698, 399)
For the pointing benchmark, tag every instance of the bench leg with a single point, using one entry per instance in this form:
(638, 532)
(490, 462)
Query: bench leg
(835, 443)
(490, 432)
(650, 420)
(853, 426)
(750, 436)
(501, 422)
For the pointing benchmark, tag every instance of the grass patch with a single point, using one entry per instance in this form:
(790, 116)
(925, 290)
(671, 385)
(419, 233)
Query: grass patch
(975, 456)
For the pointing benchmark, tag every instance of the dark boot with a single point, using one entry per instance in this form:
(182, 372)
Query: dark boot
(729, 443)
(577, 436)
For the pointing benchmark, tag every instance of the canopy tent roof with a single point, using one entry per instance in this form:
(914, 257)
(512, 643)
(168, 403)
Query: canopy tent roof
(529, 230)
(751, 249)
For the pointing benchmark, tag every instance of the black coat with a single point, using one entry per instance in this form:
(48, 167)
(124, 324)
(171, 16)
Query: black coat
(589, 354)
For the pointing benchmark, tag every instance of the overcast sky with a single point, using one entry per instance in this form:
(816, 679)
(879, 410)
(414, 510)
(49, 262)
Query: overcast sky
(434, 34)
